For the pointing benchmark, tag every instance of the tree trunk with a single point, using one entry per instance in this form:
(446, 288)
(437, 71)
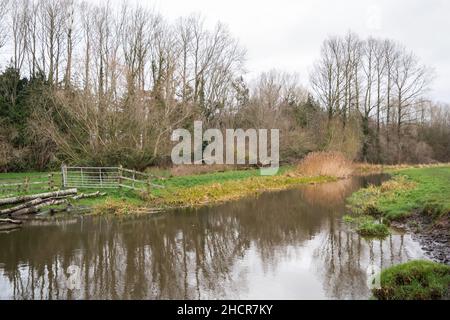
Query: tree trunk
(35, 209)
(21, 199)
(22, 206)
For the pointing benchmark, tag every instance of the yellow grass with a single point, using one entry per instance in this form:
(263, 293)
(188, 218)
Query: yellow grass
(331, 164)
(232, 190)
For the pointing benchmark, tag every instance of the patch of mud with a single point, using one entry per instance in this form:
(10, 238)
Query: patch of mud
(433, 235)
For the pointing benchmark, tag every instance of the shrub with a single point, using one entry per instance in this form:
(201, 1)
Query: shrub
(333, 164)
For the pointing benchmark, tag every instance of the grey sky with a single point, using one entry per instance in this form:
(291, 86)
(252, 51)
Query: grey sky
(287, 34)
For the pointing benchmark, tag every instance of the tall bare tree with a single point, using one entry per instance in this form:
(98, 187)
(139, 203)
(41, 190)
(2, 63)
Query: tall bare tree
(4, 8)
(411, 80)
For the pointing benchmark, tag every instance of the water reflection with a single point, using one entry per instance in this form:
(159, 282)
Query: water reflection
(289, 244)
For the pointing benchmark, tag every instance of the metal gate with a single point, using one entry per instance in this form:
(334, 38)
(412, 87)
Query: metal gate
(106, 178)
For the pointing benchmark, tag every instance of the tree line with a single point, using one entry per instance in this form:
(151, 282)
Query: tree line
(96, 84)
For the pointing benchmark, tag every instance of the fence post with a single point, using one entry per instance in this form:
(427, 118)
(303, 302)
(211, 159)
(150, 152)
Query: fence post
(26, 184)
(119, 178)
(64, 175)
(82, 176)
(51, 182)
(148, 185)
(101, 179)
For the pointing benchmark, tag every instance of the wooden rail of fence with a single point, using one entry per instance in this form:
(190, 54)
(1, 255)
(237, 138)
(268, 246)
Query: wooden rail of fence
(106, 178)
(80, 177)
(29, 183)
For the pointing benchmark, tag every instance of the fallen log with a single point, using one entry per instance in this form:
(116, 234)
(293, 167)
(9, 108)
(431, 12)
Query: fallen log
(21, 206)
(36, 208)
(20, 199)
(10, 221)
(89, 195)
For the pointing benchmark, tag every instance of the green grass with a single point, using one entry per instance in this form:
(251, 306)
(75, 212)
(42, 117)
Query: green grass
(414, 280)
(425, 190)
(189, 190)
(189, 181)
(368, 226)
(410, 190)
(373, 229)
(129, 196)
(202, 179)
(219, 191)
(432, 192)
(21, 177)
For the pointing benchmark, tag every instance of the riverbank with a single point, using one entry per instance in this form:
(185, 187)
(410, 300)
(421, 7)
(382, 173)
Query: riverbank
(188, 190)
(209, 188)
(212, 187)
(417, 200)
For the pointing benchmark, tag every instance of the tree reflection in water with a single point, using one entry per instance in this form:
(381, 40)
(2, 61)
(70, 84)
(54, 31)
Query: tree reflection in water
(292, 240)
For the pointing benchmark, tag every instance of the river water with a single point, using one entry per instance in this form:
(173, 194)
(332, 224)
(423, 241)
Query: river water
(282, 245)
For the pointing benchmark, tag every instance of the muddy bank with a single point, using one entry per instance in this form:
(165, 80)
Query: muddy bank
(433, 235)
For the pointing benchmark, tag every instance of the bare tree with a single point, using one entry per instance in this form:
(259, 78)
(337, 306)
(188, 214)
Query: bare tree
(325, 78)
(411, 80)
(368, 67)
(32, 30)
(52, 19)
(69, 17)
(19, 19)
(390, 56)
(86, 27)
(4, 8)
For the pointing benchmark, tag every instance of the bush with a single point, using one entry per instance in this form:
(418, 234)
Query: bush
(332, 164)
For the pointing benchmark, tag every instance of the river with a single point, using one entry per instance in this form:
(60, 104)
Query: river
(290, 244)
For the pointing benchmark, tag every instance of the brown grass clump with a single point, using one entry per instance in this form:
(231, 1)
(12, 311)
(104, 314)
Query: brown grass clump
(115, 207)
(332, 164)
(400, 183)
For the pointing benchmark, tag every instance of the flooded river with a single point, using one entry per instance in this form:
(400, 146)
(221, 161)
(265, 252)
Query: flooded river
(283, 245)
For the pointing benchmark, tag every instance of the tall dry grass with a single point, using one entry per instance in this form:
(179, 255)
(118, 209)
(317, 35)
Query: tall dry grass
(332, 164)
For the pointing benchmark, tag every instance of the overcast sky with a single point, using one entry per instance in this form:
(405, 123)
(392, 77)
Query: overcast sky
(287, 34)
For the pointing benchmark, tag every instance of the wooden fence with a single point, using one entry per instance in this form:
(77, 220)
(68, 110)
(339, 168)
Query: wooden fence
(106, 178)
(79, 177)
(31, 183)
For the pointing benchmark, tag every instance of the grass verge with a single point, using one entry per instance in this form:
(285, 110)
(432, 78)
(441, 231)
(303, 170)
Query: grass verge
(230, 190)
(189, 190)
(425, 190)
(414, 280)
(211, 188)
